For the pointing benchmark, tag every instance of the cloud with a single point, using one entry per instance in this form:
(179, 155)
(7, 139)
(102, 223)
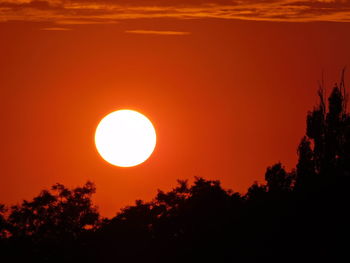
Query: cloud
(110, 11)
(56, 29)
(154, 32)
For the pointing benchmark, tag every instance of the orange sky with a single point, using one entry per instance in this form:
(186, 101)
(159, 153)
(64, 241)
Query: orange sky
(227, 97)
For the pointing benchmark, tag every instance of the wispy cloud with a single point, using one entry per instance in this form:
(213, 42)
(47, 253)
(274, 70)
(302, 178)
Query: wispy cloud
(56, 29)
(110, 11)
(154, 32)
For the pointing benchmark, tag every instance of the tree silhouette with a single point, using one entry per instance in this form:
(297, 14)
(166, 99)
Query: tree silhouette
(3, 223)
(56, 214)
(328, 131)
(278, 180)
(256, 192)
(48, 226)
(305, 171)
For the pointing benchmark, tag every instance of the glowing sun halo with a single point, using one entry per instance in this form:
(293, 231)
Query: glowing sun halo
(125, 138)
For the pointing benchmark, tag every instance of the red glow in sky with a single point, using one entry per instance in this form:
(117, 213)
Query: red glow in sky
(227, 92)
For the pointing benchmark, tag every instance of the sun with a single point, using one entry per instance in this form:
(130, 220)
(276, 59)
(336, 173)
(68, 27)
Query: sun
(125, 138)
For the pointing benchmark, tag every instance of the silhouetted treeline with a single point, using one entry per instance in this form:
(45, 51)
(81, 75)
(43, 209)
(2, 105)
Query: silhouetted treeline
(298, 215)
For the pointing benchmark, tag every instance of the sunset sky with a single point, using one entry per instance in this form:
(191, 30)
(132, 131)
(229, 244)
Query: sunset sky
(227, 85)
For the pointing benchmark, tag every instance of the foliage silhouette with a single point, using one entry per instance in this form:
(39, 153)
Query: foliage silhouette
(277, 179)
(53, 219)
(3, 222)
(298, 215)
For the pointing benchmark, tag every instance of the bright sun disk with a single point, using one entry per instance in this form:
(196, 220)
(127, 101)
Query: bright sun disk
(125, 138)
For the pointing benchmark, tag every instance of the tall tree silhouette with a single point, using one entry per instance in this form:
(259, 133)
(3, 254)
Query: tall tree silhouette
(328, 133)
